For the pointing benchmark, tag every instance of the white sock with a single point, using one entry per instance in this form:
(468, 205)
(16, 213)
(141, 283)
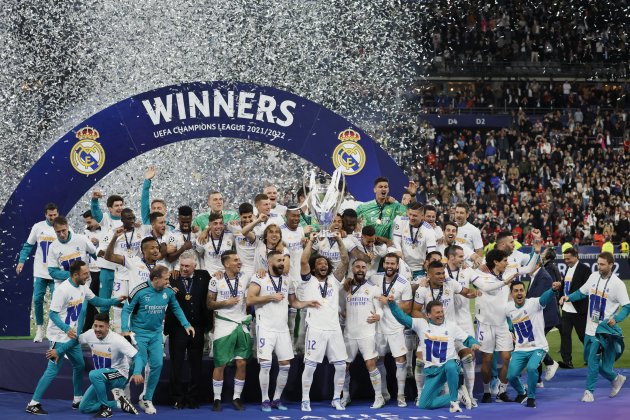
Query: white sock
(307, 378)
(502, 387)
(147, 371)
(217, 388)
(346, 385)
(77, 398)
(486, 388)
(401, 377)
(375, 378)
(116, 321)
(238, 387)
(468, 365)
(33, 402)
(281, 381)
(380, 365)
(419, 375)
(340, 374)
(263, 378)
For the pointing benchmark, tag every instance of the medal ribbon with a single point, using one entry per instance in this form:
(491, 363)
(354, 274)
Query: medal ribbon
(324, 291)
(355, 289)
(128, 242)
(450, 273)
(601, 301)
(439, 296)
(276, 287)
(233, 291)
(386, 291)
(217, 250)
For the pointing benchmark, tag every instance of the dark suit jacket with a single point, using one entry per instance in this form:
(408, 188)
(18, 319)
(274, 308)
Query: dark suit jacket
(539, 285)
(580, 275)
(196, 309)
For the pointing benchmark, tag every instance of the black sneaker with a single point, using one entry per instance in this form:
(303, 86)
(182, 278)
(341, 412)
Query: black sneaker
(127, 406)
(531, 402)
(566, 365)
(487, 397)
(520, 398)
(104, 413)
(216, 405)
(75, 405)
(503, 397)
(36, 409)
(238, 404)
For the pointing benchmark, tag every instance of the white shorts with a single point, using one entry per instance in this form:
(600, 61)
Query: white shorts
(367, 347)
(120, 287)
(411, 339)
(320, 343)
(391, 343)
(269, 342)
(494, 338)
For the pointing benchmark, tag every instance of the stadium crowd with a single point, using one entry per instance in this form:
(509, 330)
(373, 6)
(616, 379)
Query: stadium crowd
(565, 31)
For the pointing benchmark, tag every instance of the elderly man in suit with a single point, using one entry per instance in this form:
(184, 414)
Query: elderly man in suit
(541, 281)
(191, 290)
(573, 313)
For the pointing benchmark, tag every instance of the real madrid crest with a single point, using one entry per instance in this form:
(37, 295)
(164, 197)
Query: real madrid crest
(87, 155)
(349, 156)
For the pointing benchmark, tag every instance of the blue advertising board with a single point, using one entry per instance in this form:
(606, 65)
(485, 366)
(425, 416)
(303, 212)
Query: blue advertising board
(167, 115)
(479, 121)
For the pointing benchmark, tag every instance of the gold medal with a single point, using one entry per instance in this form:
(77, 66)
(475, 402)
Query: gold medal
(188, 297)
(324, 301)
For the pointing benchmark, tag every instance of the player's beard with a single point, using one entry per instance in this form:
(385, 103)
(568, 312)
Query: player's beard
(359, 278)
(277, 270)
(389, 272)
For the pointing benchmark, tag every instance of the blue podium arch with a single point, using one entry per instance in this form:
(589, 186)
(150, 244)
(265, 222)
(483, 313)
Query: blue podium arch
(167, 115)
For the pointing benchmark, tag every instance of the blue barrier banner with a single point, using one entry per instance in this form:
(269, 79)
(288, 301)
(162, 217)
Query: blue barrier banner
(106, 140)
(588, 255)
(468, 120)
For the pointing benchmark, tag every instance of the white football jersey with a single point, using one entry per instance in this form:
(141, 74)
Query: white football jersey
(461, 307)
(377, 252)
(67, 301)
(437, 342)
(604, 296)
(470, 236)
(91, 261)
(76, 248)
(112, 352)
(414, 243)
(490, 306)
(42, 235)
(400, 288)
(358, 304)
(293, 243)
(224, 291)
(273, 316)
(446, 294)
(529, 325)
(128, 245)
(138, 270)
(179, 239)
(213, 249)
(326, 317)
(244, 248)
(328, 247)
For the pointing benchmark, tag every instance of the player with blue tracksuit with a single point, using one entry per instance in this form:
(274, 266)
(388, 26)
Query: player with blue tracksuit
(437, 339)
(530, 346)
(41, 236)
(143, 315)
